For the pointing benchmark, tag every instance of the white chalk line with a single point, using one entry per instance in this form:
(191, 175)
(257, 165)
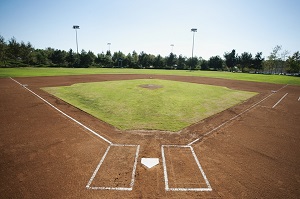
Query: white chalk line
(233, 118)
(299, 99)
(280, 100)
(106, 140)
(88, 186)
(71, 118)
(167, 188)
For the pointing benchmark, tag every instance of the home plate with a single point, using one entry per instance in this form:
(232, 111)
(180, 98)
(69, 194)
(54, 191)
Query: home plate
(150, 162)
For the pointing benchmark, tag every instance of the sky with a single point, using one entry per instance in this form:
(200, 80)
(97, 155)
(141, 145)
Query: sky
(153, 25)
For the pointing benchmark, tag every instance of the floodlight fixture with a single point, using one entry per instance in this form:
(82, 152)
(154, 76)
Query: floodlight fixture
(172, 45)
(76, 27)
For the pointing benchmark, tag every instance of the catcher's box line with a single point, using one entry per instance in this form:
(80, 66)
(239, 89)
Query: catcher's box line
(280, 100)
(167, 188)
(101, 162)
(57, 109)
(251, 107)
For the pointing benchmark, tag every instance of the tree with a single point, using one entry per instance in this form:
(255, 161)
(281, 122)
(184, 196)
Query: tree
(293, 63)
(274, 59)
(181, 62)
(86, 58)
(230, 59)
(70, 58)
(204, 65)
(215, 62)
(2, 50)
(257, 62)
(159, 62)
(192, 62)
(171, 61)
(245, 60)
(13, 49)
(58, 57)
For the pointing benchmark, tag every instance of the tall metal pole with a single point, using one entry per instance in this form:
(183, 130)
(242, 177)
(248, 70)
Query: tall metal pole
(76, 27)
(109, 46)
(193, 30)
(172, 45)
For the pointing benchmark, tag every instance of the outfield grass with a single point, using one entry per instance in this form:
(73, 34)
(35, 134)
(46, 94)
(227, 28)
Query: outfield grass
(30, 72)
(128, 106)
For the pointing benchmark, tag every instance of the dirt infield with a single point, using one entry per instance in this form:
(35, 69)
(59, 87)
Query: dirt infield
(248, 151)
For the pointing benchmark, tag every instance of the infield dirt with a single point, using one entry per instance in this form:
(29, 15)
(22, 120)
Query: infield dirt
(46, 155)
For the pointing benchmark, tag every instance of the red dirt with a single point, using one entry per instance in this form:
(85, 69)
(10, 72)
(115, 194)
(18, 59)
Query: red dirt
(46, 155)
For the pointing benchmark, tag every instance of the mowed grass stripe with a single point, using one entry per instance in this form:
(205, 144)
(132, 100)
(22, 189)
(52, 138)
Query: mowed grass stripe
(32, 72)
(128, 106)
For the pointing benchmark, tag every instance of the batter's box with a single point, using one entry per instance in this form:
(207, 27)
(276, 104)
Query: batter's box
(182, 169)
(116, 169)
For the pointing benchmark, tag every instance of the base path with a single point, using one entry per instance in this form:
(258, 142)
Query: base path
(44, 154)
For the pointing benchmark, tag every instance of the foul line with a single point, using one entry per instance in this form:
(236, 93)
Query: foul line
(106, 152)
(279, 100)
(71, 118)
(216, 128)
(251, 107)
(167, 188)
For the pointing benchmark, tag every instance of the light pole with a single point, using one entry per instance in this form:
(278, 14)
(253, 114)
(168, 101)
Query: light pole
(76, 27)
(193, 30)
(172, 46)
(109, 46)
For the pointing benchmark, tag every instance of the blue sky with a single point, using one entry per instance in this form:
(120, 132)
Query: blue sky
(152, 26)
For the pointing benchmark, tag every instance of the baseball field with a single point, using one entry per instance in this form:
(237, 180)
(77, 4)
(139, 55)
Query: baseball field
(81, 133)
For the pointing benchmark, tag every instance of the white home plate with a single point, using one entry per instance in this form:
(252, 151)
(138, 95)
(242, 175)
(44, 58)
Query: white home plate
(150, 162)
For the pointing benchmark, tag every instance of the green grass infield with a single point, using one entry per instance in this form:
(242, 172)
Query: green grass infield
(149, 104)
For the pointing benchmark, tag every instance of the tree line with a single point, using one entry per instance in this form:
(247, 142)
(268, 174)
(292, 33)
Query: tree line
(15, 54)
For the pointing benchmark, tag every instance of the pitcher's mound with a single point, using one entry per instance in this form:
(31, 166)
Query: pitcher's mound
(151, 86)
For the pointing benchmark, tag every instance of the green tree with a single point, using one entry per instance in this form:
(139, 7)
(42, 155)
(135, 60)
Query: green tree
(171, 61)
(230, 59)
(71, 58)
(274, 59)
(293, 63)
(204, 65)
(245, 60)
(192, 63)
(13, 49)
(181, 62)
(257, 62)
(2, 51)
(86, 58)
(215, 62)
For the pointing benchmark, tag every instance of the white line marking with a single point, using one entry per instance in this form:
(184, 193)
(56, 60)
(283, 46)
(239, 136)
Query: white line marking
(165, 168)
(216, 128)
(282, 87)
(97, 168)
(280, 100)
(132, 175)
(71, 118)
(134, 166)
(299, 99)
(167, 188)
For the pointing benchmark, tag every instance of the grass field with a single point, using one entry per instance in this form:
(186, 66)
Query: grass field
(128, 106)
(30, 72)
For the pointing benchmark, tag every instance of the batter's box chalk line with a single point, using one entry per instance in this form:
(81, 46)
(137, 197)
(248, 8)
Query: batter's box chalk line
(166, 178)
(88, 186)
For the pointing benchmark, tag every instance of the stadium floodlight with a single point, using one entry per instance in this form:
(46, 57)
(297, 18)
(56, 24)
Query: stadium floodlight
(76, 27)
(109, 46)
(193, 30)
(172, 45)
